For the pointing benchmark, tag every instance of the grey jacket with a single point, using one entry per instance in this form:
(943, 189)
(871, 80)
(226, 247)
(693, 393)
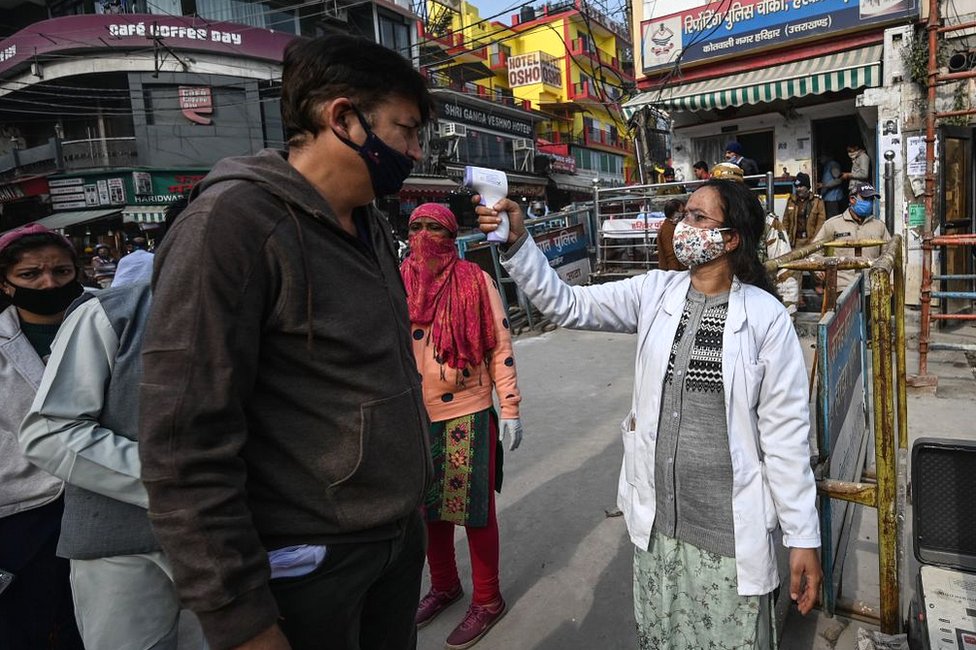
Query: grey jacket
(22, 485)
(83, 424)
(860, 170)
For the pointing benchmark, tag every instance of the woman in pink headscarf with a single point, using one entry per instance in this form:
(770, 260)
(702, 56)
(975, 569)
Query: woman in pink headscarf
(463, 349)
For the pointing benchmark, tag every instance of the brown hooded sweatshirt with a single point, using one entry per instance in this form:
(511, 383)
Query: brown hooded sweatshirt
(280, 401)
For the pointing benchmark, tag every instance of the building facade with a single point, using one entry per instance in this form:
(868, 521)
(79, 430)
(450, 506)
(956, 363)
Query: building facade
(561, 69)
(795, 83)
(110, 110)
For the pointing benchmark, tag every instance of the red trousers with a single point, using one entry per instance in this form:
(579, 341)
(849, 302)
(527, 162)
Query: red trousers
(482, 544)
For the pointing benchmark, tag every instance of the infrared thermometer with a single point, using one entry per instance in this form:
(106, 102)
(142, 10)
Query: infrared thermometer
(492, 185)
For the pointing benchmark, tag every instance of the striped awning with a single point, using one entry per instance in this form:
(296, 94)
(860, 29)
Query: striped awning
(61, 220)
(572, 183)
(144, 214)
(852, 69)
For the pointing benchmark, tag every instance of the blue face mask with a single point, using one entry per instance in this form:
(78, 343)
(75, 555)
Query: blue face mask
(863, 208)
(388, 168)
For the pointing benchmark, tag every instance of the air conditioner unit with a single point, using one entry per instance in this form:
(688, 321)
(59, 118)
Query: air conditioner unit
(523, 144)
(453, 130)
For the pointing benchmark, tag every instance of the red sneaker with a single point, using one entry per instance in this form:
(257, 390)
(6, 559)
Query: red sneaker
(476, 623)
(436, 602)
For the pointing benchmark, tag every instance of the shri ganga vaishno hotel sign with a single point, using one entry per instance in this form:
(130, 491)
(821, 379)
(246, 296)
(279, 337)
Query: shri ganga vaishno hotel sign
(196, 102)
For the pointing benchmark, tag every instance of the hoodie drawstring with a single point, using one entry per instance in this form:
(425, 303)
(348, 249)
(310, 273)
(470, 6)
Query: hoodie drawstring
(308, 275)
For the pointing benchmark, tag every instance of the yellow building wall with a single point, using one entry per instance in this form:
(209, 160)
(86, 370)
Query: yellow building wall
(551, 38)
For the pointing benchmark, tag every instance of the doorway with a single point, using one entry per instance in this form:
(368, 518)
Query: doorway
(957, 212)
(830, 140)
(757, 145)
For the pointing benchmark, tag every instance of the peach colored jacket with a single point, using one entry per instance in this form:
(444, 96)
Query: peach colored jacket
(448, 394)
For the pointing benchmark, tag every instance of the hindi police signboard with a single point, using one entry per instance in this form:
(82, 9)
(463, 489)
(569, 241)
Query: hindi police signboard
(841, 420)
(565, 249)
(721, 28)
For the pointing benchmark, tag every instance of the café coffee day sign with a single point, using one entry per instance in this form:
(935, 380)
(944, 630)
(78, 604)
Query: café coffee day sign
(721, 28)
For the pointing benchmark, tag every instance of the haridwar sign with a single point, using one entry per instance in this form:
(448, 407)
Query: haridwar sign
(138, 31)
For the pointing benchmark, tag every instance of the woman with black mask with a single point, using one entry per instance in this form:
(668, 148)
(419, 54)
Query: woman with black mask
(39, 279)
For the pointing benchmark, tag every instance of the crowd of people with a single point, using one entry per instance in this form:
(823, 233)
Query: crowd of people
(259, 437)
(104, 269)
(808, 217)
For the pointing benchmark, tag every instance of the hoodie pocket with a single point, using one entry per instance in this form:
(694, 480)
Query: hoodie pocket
(391, 446)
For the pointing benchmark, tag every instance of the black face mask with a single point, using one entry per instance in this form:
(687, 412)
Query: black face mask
(388, 168)
(45, 302)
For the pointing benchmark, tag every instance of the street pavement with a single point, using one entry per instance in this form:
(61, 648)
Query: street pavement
(566, 561)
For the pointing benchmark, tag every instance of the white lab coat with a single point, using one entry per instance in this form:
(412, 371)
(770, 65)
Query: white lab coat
(765, 397)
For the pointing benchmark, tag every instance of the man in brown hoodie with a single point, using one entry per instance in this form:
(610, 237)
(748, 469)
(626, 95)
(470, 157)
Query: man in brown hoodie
(283, 432)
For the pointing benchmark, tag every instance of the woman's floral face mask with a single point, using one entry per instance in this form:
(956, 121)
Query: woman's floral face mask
(696, 246)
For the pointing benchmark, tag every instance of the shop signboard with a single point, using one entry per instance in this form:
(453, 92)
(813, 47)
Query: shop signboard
(133, 31)
(493, 120)
(562, 164)
(196, 102)
(721, 28)
(533, 68)
(122, 187)
(630, 228)
(841, 419)
(565, 249)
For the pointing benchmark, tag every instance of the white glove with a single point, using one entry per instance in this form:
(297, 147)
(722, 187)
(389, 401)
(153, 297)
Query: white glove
(514, 427)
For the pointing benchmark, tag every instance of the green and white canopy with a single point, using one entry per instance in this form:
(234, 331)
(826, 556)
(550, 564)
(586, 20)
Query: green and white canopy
(852, 69)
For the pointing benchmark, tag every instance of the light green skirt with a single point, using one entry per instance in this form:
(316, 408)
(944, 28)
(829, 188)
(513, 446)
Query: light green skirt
(685, 598)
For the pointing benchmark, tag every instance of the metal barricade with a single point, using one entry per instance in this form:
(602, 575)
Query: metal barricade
(925, 343)
(521, 313)
(628, 218)
(889, 407)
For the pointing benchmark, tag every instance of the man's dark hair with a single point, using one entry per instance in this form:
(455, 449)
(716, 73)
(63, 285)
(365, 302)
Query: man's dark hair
(701, 164)
(673, 207)
(336, 65)
(174, 210)
(745, 215)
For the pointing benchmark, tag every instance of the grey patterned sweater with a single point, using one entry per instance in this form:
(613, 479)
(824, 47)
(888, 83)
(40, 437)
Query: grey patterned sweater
(693, 467)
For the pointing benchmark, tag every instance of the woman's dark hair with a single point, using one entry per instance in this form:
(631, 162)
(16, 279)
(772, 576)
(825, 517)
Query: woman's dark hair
(12, 254)
(745, 215)
(337, 65)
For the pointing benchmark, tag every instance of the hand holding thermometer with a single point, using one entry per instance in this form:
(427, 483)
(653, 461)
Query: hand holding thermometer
(492, 185)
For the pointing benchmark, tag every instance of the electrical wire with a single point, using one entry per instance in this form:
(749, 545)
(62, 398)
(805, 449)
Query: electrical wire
(126, 93)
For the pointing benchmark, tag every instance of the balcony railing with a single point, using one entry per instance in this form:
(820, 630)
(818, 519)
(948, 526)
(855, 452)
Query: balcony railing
(584, 90)
(585, 47)
(24, 162)
(605, 139)
(497, 95)
(587, 139)
(448, 40)
(99, 152)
